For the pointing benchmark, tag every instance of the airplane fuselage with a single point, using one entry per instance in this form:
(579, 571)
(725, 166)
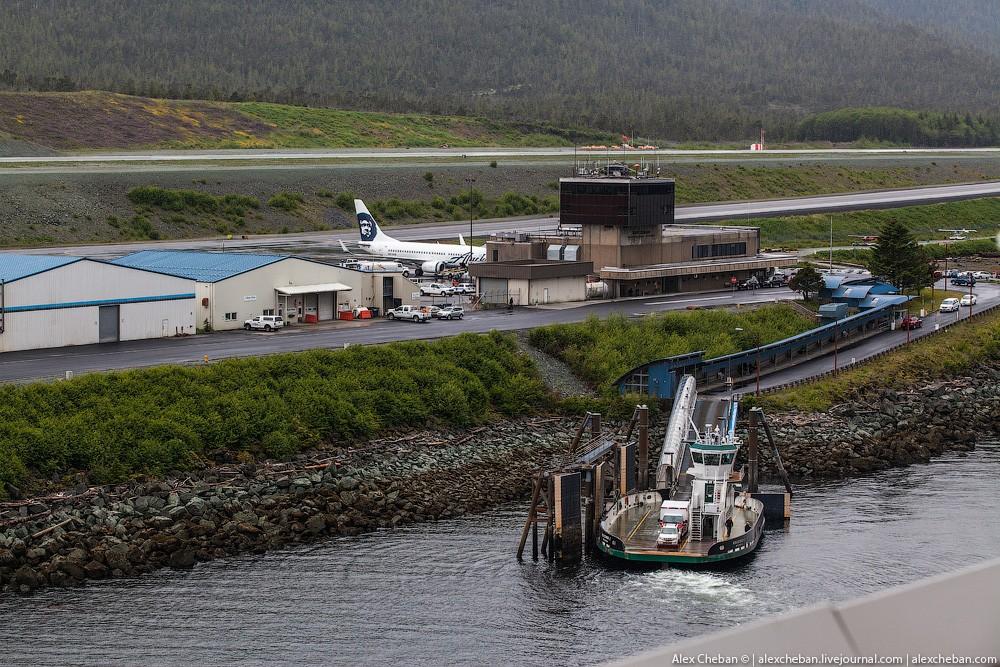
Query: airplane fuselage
(424, 252)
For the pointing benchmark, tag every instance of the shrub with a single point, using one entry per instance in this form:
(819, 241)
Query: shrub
(286, 201)
(600, 351)
(345, 200)
(152, 420)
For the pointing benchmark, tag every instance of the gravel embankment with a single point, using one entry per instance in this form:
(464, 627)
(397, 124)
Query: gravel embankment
(888, 428)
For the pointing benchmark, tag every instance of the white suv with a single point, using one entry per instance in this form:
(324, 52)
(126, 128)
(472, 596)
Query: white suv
(265, 322)
(949, 306)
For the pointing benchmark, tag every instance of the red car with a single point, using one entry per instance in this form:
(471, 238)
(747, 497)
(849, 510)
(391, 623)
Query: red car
(911, 322)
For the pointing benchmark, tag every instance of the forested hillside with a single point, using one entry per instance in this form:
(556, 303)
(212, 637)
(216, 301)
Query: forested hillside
(683, 69)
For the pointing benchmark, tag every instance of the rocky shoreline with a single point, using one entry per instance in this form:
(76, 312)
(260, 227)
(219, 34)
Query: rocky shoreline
(112, 532)
(887, 428)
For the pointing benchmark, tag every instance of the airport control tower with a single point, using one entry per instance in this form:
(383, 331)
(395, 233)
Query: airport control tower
(621, 219)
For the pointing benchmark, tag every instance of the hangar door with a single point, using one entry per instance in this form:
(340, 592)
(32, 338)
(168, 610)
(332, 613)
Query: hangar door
(493, 290)
(107, 324)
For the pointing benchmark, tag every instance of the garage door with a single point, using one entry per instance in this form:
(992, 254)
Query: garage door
(493, 290)
(107, 324)
(326, 305)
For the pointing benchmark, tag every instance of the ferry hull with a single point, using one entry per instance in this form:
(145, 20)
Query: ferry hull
(716, 553)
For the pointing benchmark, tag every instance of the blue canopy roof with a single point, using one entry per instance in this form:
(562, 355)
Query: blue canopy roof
(876, 300)
(204, 267)
(14, 267)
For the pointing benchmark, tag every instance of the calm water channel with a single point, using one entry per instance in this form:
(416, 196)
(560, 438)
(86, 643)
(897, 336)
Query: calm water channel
(452, 592)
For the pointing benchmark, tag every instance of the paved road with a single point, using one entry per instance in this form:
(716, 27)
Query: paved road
(398, 153)
(988, 295)
(320, 241)
(39, 364)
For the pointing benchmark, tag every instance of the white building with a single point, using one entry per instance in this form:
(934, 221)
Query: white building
(49, 301)
(232, 287)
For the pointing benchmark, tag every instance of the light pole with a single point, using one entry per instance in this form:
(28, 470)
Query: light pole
(730, 380)
(470, 180)
(831, 244)
(756, 340)
(971, 295)
(836, 343)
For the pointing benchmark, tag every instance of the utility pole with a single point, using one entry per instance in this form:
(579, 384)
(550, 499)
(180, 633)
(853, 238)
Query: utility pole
(758, 367)
(831, 244)
(470, 180)
(836, 344)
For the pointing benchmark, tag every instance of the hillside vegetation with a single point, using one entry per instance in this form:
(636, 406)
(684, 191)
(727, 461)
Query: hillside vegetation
(95, 119)
(600, 351)
(902, 127)
(688, 69)
(150, 421)
(43, 209)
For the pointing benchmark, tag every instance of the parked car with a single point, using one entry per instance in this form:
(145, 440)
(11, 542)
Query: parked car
(911, 322)
(432, 311)
(982, 275)
(265, 322)
(777, 280)
(968, 300)
(949, 306)
(435, 289)
(953, 273)
(450, 313)
(408, 313)
(465, 288)
(750, 283)
(963, 281)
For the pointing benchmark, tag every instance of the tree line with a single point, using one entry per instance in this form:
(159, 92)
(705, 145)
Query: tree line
(688, 69)
(902, 126)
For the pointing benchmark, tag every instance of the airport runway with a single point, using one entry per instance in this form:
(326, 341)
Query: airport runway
(236, 155)
(318, 242)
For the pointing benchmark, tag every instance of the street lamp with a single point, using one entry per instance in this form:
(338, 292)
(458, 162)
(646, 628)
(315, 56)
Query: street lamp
(470, 180)
(730, 371)
(836, 343)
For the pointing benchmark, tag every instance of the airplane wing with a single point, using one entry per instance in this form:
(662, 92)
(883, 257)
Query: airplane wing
(461, 240)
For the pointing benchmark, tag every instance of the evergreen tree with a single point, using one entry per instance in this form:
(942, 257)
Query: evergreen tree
(808, 281)
(898, 259)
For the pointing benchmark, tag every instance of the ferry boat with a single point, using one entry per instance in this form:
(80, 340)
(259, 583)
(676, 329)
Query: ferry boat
(701, 515)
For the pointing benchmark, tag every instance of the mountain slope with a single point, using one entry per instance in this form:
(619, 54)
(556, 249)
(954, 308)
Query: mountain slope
(704, 69)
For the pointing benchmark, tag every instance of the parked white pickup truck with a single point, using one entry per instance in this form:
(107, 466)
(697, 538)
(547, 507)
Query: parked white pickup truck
(408, 313)
(265, 322)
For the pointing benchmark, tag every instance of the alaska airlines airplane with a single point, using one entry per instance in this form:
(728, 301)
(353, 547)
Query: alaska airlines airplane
(429, 258)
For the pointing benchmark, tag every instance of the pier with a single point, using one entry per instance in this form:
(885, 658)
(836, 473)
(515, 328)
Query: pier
(604, 495)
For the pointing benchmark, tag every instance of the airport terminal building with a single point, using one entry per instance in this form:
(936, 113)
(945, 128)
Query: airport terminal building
(620, 231)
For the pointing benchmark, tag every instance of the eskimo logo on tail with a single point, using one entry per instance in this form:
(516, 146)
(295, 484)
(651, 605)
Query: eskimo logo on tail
(367, 225)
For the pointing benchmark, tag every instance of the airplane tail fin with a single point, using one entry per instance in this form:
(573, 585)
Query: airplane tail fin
(461, 240)
(370, 231)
